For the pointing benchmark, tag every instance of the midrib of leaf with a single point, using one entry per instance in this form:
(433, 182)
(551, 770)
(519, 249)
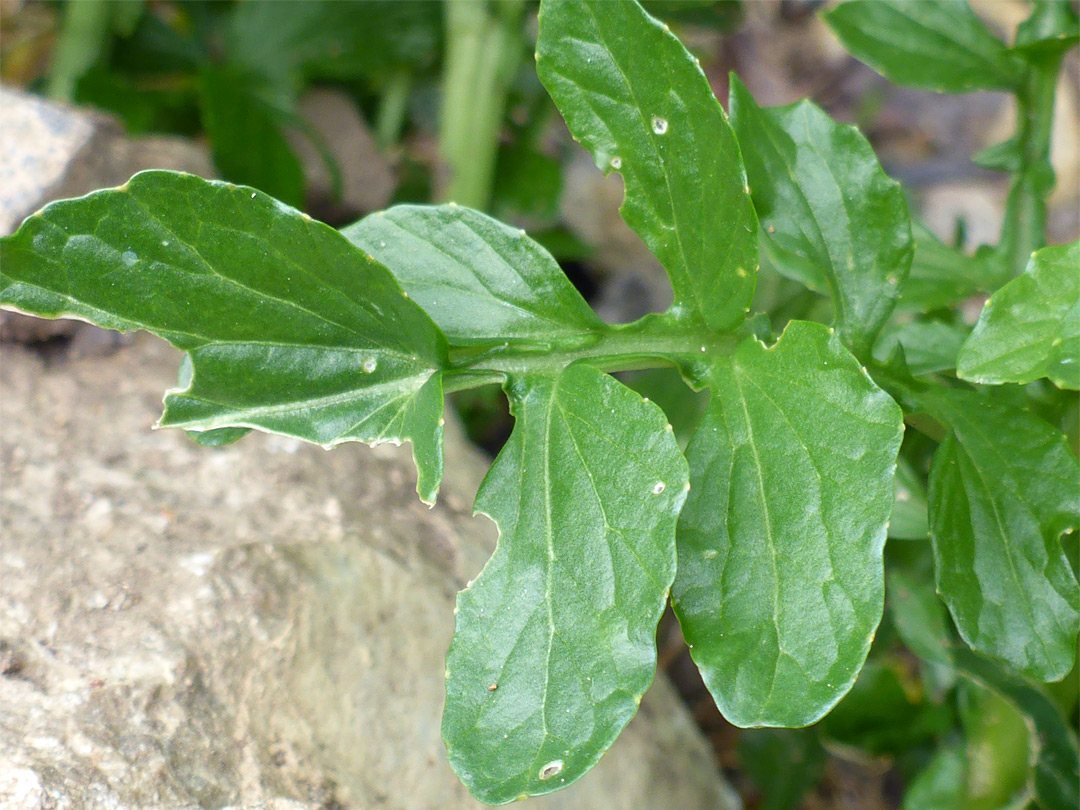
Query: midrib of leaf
(105, 316)
(772, 540)
(550, 539)
(823, 524)
(1015, 574)
(233, 414)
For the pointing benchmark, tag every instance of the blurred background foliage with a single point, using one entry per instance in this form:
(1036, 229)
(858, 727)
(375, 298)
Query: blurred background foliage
(344, 107)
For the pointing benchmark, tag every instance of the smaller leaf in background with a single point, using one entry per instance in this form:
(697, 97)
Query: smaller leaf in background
(481, 281)
(244, 126)
(908, 521)
(880, 717)
(827, 207)
(919, 616)
(289, 327)
(1056, 773)
(922, 623)
(942, 784)
(784, 764)
(779, 588)
(997, 750)
(940, 276)
(929, 346)
(936, 45)
(555, 640)
(682, 405)
(1006, 156)
(1030, 328)
(639, 102)
(330, 39)
(1052, 28)
(1002, 492)
(527, 183)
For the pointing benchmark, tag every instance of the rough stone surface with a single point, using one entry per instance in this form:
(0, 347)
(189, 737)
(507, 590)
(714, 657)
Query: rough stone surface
(260, 626)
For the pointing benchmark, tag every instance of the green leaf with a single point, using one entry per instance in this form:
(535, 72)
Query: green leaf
(996, 742)
(780, 589)
(479, 280)
(290, 328)
(826, 206)
(879, 716)
(638, 101)
(919, 616)
(555, 640)
(1052, 29)
(1006, 156)
(922, 622)
(1055, 754)
(942, 784)
(785, 763)
(330, 39)
(908, 521)
(1002, 492)
(940, 276)
(929, 346)
(936, 45)
(1030, 328)
(244, 125)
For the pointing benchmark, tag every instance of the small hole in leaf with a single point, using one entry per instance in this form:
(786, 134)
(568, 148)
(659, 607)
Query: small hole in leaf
(553, 768)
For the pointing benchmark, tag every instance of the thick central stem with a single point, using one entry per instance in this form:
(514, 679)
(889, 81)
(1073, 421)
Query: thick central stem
(650, 343)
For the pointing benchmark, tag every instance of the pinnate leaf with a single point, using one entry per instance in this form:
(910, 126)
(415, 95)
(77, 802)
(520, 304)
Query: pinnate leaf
(638, 101)
(1003, 489)
(832, 218)
(779, 587)
(479, 280)
(1030, 328)
(289, 327)
(932, 44)
(555, 640)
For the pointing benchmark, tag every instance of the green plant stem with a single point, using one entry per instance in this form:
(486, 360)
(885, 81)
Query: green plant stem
(392, 107)
(483, 52)
(83, 37)
(648, 343)
(1024, 230)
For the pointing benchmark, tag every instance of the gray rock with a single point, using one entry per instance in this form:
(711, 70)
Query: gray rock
(256, 626)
